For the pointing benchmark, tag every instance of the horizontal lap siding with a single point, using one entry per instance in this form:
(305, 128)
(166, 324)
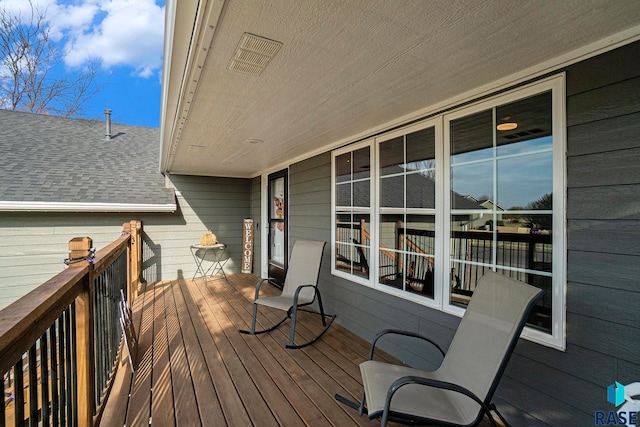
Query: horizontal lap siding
(603, 208)
(541, 386)
(33, 245)
(206, 203)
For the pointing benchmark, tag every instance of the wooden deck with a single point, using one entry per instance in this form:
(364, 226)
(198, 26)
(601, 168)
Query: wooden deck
(194, 368)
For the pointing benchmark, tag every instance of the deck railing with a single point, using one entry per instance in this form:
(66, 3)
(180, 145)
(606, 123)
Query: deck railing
(59, 344)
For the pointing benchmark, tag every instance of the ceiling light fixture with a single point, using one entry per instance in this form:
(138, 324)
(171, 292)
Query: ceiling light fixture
(507, 126)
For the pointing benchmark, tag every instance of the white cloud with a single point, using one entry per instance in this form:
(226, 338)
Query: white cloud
(129, 33)
(115, 32)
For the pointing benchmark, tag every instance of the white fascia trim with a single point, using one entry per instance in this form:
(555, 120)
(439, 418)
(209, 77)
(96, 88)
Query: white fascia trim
(83, 207)
(169, 24)
(207, 17)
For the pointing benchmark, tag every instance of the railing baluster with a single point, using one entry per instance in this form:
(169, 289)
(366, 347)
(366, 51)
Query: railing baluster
(4, 397)
(18, 392)
(33, 386)
(69, 368)
(62, 335)
(44, 378)
(55, 408)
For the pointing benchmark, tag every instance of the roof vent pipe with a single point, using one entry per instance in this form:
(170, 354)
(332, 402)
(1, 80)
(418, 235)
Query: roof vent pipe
(107, 116)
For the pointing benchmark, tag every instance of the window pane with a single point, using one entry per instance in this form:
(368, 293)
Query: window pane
(420, 234)
(361, 193)
(390, 247)
(541, 315)
(464, 278)
(407, 247)
(362, 245)
(525, 180)
(343, 194)
(421, 190)
(475, 246)
(472, 185)
(421, 151)
(523, 248)
(533, 118)
(419, 240)
(353, 244)
(344, 226)
(361, 163)
(343, 167)
(392, 156)
(472, 138)
(388, 231)
(392, 192)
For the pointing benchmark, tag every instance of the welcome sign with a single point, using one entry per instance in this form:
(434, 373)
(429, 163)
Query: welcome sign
(247, 246)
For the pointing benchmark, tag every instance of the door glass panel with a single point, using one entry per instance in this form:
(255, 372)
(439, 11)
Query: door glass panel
(278, 245)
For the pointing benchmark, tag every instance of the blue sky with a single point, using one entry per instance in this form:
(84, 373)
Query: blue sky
(125, 37)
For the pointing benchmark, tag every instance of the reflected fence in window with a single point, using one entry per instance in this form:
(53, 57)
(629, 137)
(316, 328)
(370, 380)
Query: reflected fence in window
(410, 266)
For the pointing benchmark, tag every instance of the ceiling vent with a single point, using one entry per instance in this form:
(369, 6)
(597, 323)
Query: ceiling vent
(253, 54)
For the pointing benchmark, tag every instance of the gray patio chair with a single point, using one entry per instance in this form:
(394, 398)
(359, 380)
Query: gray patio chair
(460, 391)
(300, 289)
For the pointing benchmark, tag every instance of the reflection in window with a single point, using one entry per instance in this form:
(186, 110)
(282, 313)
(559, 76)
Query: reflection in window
(501, 200)
(495, 207)
(352, 191)
(407, 190)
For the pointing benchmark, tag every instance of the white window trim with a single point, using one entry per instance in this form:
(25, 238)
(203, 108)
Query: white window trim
(557, 337)
(436, 302)
(373, 266)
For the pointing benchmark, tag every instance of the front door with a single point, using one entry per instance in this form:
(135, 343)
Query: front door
(278, 244)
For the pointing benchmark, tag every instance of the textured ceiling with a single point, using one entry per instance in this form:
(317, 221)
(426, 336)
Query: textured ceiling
(347, 67)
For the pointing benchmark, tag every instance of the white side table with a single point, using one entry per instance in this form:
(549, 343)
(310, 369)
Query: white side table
(217, 260)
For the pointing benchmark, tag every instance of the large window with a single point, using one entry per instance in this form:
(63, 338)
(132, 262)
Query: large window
(407, 206)
(352, 212)
(422, 212)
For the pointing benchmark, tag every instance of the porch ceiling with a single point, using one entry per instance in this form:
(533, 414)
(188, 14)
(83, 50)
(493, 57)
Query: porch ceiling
(346, 68)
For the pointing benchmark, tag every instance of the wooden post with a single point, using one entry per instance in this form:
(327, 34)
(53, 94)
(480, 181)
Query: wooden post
(84, 338)
(126, 228)
(135, 228)
(79, 247)
(134, 252)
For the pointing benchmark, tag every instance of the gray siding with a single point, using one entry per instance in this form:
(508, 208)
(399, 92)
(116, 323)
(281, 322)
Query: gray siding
(33, 245)
(541, 386)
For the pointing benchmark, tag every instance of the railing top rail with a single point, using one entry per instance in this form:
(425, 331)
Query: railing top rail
(107, 255)
(27, 319)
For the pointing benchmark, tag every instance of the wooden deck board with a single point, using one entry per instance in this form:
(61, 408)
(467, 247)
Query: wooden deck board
(161, 381)
(205, 398)
(195, 368)
(182, 379)
(299, 388)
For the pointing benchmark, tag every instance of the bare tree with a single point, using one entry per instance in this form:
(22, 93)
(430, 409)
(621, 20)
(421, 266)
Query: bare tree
(30, 64)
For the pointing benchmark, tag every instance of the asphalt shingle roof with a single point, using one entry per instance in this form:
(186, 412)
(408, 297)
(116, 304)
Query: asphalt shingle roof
(55, 159)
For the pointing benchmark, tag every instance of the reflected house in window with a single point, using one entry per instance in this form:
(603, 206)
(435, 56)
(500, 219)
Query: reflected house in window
(407, 247)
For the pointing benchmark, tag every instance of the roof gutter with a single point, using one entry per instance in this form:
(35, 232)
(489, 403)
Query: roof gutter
(182, 67)
(84, 207)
